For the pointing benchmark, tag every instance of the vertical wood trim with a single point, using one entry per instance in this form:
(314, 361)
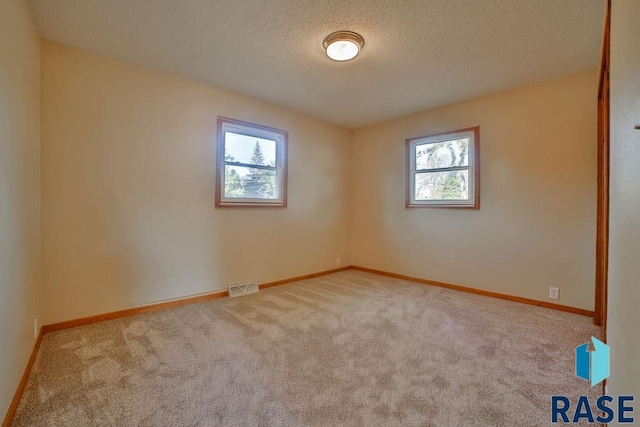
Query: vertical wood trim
(219, 161)
(602, 223)
(407, 156)
(476, 160)
(13, 407)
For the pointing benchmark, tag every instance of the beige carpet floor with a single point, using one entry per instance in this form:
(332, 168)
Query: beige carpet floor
(350, 348)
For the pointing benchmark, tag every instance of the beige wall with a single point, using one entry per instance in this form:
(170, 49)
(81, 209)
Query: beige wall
(128, 212)
(128, 165)
(536, 225)
(624, 243)
(20, 286)
(128, 175)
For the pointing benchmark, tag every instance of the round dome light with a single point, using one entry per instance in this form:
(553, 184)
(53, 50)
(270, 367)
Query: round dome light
(343, 45)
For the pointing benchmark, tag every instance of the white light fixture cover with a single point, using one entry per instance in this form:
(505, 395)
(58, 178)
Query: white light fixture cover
(343, 45)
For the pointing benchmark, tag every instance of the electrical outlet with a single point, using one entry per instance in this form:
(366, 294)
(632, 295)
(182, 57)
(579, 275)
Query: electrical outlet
(338, 261)
(554, 293)
(36, 331)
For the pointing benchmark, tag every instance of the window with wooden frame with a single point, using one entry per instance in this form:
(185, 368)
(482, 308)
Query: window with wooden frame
(251, 165)
(443, 170)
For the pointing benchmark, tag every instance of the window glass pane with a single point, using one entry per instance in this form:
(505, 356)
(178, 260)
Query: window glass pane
(249, 149)
(443, 154)
(453, 185)
(250, 183)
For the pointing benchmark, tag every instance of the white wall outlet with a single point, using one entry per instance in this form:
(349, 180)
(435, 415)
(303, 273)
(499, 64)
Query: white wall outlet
(338, 261)
(36, 331)
(554, 293)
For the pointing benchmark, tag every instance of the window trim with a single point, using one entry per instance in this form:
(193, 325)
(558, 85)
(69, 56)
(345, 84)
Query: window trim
(474, 169)
(281, 137)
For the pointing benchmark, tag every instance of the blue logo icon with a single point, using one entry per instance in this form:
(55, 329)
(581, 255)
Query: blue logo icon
(594, 365)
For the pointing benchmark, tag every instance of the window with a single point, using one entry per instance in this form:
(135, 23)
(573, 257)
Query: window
(251, 165)
(443, 170)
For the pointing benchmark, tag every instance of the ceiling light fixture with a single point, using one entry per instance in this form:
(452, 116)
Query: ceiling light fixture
(343, 45)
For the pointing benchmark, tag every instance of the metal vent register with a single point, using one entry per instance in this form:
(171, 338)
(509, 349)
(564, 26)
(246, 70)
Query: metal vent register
(246, 288)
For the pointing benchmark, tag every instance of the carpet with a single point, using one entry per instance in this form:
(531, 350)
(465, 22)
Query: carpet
(350, 348)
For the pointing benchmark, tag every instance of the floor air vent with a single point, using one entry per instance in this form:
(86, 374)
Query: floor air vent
(246, 288)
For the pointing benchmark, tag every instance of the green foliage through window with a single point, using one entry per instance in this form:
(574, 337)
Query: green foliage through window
(252, 164)
(443, 169)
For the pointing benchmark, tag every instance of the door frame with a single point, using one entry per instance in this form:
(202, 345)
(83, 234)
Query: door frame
(602, 222)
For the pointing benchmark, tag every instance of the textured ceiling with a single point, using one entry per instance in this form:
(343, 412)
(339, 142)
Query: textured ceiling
(418, 54)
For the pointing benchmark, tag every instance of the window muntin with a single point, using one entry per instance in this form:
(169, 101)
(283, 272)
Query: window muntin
(443, 170)
(252, 164)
